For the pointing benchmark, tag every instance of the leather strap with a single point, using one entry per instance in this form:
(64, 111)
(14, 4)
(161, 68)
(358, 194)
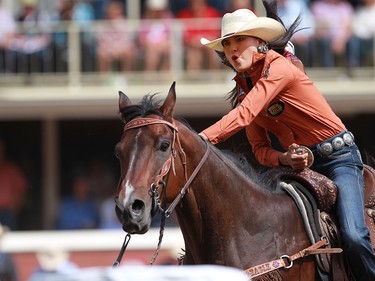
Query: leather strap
(140, 122)
(286, 261)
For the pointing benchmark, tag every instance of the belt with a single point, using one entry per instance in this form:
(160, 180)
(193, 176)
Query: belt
(335, 143)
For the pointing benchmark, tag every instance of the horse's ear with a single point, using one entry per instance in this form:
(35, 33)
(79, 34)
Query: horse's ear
(168, 106)
(123, 101)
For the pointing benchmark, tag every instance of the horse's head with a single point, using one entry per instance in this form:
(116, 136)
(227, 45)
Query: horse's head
(146, 154)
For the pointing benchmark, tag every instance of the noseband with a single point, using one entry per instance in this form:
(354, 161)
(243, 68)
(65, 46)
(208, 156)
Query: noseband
(141, 122)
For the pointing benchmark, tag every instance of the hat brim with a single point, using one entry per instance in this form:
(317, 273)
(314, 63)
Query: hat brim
(264, 28)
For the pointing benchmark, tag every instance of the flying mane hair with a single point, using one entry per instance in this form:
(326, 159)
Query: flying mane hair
(278, 45)
(150, 104)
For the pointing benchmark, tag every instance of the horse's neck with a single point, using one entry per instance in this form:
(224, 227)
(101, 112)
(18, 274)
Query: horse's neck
(217, 196)
(223, 218)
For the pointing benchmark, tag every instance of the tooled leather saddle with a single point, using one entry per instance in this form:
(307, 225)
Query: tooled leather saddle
(324, 191)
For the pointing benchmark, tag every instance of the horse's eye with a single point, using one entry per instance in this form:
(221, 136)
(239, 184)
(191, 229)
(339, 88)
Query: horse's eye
(164, 146)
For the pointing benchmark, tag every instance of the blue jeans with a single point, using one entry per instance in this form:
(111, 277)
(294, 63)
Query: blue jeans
(345, 168)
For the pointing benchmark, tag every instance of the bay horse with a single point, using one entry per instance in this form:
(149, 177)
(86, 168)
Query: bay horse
(227, 217)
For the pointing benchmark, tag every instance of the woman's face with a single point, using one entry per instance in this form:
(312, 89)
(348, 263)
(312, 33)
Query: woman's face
(239, 51)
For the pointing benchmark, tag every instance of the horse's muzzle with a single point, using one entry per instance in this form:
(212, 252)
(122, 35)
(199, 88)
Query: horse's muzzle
(134, 219)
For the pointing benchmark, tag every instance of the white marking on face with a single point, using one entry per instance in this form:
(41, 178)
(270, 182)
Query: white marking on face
(128, 191)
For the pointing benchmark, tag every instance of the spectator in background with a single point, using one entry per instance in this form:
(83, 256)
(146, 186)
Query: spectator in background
(8, 270)
(333, 20)
(154, 35)
(108, 217)
(99, 8)
(63, 14)
(234, 5)
(101, 180)
(288, 10)
(32, 45)
(79, 210)
(364, 33)
(82, 13)
(102, 186)
(8, 25)
(13, 187)
(198, 24)
(8, 28)
(53, 263)
(115, 40)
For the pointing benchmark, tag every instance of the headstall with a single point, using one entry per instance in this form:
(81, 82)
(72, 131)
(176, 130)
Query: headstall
(141, 122)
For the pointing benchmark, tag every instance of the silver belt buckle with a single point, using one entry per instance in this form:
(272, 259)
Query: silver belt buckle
(348, 138)
(338, 143)
(326, 148)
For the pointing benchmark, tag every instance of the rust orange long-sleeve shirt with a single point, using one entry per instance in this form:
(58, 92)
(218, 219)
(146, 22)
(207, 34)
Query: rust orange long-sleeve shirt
(283, 101)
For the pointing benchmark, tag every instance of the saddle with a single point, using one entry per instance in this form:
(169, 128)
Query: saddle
(325, 191)
(318, 212)
(369, 196)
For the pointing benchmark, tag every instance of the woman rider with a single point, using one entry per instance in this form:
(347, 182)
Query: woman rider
(275, 96)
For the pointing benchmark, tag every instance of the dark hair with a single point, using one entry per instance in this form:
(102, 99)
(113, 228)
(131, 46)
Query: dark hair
(277, 45)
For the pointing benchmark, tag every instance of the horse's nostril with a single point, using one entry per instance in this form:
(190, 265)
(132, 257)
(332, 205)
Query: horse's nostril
(138, 206)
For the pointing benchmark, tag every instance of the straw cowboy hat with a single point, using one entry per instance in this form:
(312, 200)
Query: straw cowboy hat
(245, 22)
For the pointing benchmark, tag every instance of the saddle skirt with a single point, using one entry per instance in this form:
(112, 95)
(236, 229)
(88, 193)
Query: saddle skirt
(369, 196)
(324, 190)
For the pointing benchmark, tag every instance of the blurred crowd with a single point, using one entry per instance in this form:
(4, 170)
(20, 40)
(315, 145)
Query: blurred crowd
(86, 199)
(35, 37)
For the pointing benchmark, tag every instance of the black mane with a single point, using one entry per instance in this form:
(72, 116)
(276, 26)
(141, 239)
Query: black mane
(242, 163)
(148, 105)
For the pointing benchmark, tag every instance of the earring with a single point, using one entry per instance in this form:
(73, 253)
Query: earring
(262, 48)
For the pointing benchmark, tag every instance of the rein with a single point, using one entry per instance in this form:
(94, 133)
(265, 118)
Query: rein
(141, 122)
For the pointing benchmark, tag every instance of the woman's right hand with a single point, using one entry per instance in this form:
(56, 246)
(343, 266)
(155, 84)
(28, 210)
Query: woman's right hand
(296, 158)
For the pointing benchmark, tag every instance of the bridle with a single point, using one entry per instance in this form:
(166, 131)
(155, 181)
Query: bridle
(159, 180)
(168, 164)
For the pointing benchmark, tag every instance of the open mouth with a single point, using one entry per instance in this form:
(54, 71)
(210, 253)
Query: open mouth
(235, 57)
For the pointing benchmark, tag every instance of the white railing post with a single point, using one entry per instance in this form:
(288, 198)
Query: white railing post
(74, 55)
(177, 48)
